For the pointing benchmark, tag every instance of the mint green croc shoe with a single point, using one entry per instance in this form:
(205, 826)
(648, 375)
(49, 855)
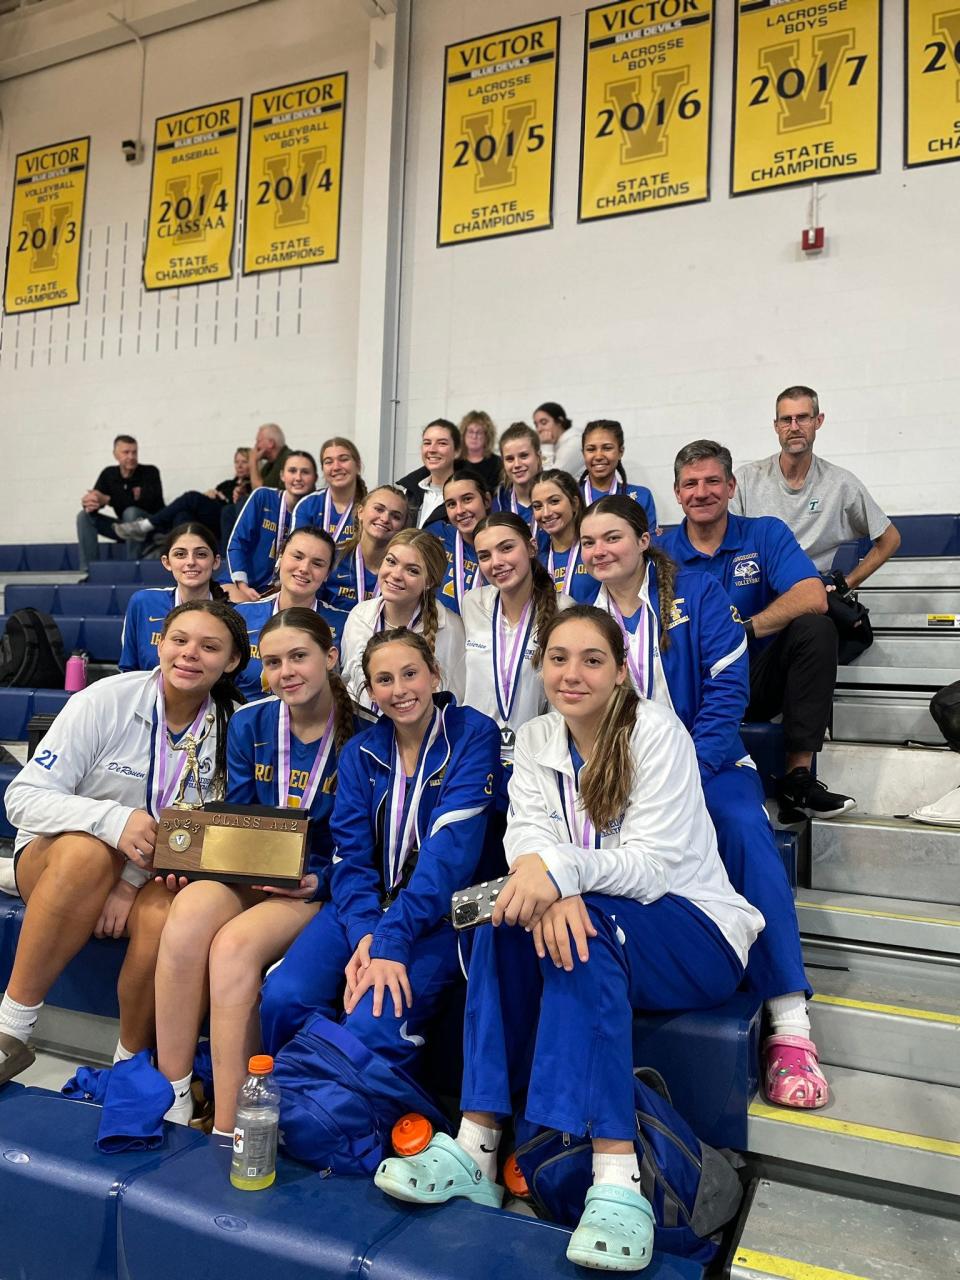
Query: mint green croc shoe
(441, 1171)
(615, 1231)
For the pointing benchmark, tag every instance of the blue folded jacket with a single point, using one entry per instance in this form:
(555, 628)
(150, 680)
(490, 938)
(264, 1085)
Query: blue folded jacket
(134, 1096)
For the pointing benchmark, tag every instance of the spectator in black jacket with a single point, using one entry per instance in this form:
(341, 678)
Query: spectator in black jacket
(132, 489)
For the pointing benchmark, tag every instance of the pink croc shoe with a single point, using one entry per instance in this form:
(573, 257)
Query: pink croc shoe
(792, 1075)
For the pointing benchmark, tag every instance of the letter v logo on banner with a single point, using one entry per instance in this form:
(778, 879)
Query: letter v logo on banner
(644, 128)
(48, 228)
(806, 98)
(495, 154)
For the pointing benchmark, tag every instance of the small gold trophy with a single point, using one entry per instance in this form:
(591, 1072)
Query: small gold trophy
(234, 843)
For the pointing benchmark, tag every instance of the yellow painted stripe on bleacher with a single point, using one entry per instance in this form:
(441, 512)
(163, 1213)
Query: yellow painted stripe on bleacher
(881, 915)
(772, 1264)
(924, 1015)
(852, 1129)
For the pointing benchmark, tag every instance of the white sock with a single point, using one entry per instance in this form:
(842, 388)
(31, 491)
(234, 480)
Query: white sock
(121, 1053)
(617, 1171)
(18, 1020)
(182, 1110)
(481, 1144)
(788, 1015)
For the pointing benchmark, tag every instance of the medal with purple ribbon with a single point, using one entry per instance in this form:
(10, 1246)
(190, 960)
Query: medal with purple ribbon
(506, 665)
(315, 776)
(333, 524)
(400, 831)
(167, 775)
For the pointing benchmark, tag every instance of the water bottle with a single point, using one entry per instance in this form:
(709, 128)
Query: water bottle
(75, 676)
(254, 1164)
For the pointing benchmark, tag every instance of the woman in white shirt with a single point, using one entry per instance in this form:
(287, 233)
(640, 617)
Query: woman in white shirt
(86, 808)
(501, 623)
(622, 904)
(413, 567)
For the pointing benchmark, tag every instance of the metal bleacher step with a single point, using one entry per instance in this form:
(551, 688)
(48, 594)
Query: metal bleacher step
(913, 609)
(882, 1127)
(888, 779)
(798, 1233)
(886, 1014)
(886, 857)
(918, 571)
(884, 715)
(913, 662)
(853, 921)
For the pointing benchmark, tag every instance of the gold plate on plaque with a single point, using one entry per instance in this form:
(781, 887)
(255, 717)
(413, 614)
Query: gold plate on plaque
(239, 844)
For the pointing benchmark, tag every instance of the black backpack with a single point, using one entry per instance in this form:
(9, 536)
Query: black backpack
(31, 652)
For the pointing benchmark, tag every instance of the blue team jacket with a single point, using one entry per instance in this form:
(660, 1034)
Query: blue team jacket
(251, 777)
(462, 776)
(256, 614)
(142, 625)
(446, 592)
(638, 492)
(501, 502)
(757, 561)
(309, 510)
(706, 666)
(583, 588)
(340, 588)
(252, 548)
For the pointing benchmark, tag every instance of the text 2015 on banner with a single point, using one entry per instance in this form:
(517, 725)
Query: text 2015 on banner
(46, 226)
(193, 196)
(294, 171)
(499, 122)
(645, 133)
(807, 92)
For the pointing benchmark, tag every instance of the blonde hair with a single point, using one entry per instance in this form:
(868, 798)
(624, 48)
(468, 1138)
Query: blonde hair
(434, 560)
(482, 419)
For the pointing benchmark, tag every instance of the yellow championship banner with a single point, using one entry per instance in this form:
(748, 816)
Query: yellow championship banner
(499, 125)
(932, 93)
(294, 171)
(46, 227)
(193, 196)
(806, 104)
(645, 132)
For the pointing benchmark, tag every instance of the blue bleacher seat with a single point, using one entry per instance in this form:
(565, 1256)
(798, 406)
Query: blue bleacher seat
(11, 913)
(764, 742)
(788, 846)
(113, 571)
(7, 773)
(89, 982)
(16, 708)
(86, 600)
(709, 1060)
(45, 557)
(186, 1218)
(100, 637)
(30, 595)
(71, 629)
(11, 559)
(153, 574)
(122, 594)
(64, 1190)
(49, 702)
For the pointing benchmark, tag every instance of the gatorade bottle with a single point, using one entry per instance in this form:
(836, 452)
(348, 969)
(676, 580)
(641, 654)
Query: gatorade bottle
(254, 1164)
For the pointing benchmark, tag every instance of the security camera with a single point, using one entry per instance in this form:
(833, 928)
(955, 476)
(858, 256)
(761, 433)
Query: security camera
(132, 151)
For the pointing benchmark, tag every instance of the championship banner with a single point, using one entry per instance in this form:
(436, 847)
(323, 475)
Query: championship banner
(645, 131)
(294, 171)
(932, 92)
(193, 196)
(499, 126)
(46, 227)
(806, 103)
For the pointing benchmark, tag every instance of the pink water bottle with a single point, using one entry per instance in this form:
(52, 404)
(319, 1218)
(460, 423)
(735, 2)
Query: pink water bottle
(75, 677)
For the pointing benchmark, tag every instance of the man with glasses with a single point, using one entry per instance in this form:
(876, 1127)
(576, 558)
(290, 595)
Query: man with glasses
(824, 505)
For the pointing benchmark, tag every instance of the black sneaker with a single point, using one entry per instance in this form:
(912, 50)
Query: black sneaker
(803, 793)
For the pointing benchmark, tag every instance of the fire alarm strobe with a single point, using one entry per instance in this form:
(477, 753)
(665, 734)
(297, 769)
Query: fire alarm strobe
(812, 239)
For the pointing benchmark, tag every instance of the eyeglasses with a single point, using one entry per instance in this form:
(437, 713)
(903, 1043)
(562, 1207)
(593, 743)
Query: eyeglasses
(801, 419)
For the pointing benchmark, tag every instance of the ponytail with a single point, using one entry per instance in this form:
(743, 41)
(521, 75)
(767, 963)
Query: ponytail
(343, 715)
(544, 596)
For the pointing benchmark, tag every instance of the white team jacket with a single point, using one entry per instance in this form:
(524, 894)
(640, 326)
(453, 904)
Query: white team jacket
(449, 648)
(665, 842)
(90, 771)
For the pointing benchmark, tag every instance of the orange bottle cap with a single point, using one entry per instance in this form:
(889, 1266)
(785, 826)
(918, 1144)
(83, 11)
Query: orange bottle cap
(261, 1064)
(514, 1180)
(411, 1134)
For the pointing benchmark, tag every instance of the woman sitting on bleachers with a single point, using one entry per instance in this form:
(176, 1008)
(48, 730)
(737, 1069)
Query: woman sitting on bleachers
(617, 902)
(687, 649)
(302, 569)
(86, 809)
(219, 938)
(413, 568)
(193, 557)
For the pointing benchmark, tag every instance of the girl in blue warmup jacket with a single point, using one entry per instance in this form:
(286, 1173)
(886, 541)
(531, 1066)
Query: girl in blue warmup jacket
(264, 522)
(467, 499)
(520, 455)
(409, 823)
(302, 570)
(604, 475)
(687, 649)
(282, 751)
(558, 510)
(193, 557)
(620, 904)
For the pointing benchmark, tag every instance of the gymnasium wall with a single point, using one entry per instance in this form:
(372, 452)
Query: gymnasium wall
(681, 323)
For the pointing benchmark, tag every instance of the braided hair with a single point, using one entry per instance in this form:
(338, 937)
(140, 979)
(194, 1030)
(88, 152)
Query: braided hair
(318, 629)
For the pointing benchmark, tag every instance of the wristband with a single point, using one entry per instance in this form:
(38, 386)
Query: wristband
(748, 628)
